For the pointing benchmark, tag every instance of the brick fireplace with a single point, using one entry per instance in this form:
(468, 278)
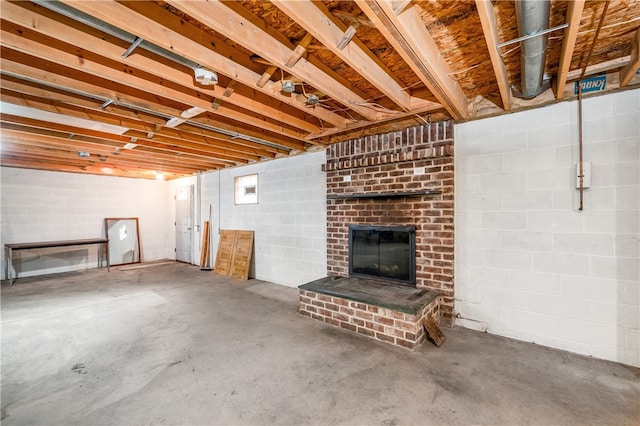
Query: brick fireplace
(403, 178)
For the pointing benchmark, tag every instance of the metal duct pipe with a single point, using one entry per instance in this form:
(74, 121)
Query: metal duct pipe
(70, 12)
(98, 24)
(533, 17)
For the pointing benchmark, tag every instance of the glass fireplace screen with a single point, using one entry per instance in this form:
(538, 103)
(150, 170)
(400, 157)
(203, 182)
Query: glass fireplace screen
(383, 251)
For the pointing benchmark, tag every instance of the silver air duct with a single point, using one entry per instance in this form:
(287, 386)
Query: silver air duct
(533, 17)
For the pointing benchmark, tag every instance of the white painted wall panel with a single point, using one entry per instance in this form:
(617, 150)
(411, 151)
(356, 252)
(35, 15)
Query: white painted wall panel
(48, 206)
(289, 220)
(531, 266)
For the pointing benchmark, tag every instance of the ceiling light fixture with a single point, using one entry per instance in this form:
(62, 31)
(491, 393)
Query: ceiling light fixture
(83, 154)
(159, 175)
(313, 99)
(205, 76)
(130, 145)
(288, 86)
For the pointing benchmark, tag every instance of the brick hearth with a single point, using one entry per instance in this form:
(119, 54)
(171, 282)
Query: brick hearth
(390, 313)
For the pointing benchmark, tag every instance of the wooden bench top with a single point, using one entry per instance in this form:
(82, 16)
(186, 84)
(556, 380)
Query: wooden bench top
(62, 243)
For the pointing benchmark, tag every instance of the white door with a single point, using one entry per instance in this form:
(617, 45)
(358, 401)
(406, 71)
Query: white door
(184, 228)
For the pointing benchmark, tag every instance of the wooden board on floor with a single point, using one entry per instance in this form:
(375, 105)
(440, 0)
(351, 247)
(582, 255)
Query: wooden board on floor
(234, 253)
(225, 252)
(204, 252)
(241, 261)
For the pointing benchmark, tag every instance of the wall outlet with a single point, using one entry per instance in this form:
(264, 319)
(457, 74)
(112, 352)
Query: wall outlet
(586, 173)
(346, 178)
(418, 170)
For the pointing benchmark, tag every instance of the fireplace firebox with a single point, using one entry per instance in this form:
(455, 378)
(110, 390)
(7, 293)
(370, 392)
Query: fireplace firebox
(385, 252)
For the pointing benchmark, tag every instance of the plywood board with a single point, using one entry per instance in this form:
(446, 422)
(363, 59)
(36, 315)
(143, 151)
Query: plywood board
(234, 253)
(225, 252)
(241, 261)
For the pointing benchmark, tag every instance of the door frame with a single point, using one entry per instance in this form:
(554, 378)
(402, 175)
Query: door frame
(190, 192)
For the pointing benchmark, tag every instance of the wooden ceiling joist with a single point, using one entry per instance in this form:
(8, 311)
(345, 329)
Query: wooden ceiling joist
(135, 23)
(574, 14)
(59, 31)
(316, 21)
(627, 73)
(299, 50)
(191, 154)
(408, 34)
(55, 101)
(135, 80)
(249, 32)
(56, 80)
(99, 150)
(377, 66)
(612, 64)
(266, 76)
(57, 150)
(138, 129)
(53, 129)
(490, 30)
(58, 166)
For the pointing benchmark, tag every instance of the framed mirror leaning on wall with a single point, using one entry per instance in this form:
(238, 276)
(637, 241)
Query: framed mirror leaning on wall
(124, 240)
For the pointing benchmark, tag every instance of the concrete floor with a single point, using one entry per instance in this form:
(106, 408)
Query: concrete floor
(171, 344)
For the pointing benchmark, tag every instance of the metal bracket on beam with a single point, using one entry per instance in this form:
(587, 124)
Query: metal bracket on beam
(131, 48)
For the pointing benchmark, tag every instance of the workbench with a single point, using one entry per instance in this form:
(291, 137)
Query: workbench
(49, 244)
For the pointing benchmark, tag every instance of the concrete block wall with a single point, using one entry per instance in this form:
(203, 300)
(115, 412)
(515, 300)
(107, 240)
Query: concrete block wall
(529, 264)
(45, 206)
(289, 220)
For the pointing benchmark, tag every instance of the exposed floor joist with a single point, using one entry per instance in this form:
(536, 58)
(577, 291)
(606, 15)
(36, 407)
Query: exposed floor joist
(314, 17)
(490, 30)
(57, 80)
(627, 73)
(250, 34)
(358, 68)
(135, 23)
(574, 13)
(408, 35)
(59, 31)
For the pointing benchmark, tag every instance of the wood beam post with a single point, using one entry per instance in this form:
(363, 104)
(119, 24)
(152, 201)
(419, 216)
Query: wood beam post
(409, 36)
(574, 13)
(490, 30)
(317, 21)
(627, 73)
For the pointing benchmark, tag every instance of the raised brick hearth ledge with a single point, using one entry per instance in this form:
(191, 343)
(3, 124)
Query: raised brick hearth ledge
(381, 310)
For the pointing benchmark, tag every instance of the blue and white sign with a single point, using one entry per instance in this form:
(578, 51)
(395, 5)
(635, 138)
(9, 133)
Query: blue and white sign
(592, 84)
